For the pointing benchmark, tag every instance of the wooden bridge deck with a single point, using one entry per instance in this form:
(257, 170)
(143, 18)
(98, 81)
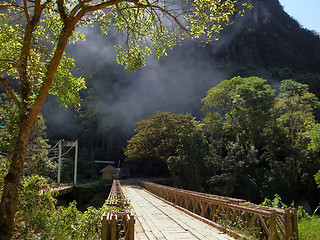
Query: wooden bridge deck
(156, 219)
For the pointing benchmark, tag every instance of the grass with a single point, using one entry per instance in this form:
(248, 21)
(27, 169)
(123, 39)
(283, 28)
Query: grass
(101, 190)
(309, 229)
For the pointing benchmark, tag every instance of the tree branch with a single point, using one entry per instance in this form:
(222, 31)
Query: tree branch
(11, 93)
(9, 4)
(78, 7)
(151, 6)
(26, 12)
(104, 5)
(25, 85)
(62, 11)
(175, 18)
(66, 32)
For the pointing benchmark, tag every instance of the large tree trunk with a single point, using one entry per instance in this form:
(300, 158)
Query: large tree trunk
(29, 114)
(18, 148)
(10, 195)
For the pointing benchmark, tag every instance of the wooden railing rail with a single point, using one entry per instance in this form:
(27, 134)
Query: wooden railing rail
(269, 223)
(116, 196)
(59, 189)
(119, 221)
(64, 189)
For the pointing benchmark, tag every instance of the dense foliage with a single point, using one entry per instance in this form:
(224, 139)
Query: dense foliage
(37, 158)
(38, 217)
(251, 144)
(175, 139)
(272, 158)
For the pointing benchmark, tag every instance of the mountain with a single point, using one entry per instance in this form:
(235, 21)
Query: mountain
(267, 37)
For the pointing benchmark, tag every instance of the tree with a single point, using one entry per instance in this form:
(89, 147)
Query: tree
(34, 35)
(237, 111)
(176, 139)
(244, 104)
(295, 106)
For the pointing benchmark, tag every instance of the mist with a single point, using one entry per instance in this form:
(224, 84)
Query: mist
(175, 83)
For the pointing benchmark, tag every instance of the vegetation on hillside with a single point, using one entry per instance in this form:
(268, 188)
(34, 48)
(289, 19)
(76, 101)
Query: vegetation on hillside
(266, 42)
(268, 37)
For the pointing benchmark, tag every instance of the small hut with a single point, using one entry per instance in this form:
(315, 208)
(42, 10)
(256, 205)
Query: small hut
(108, 173)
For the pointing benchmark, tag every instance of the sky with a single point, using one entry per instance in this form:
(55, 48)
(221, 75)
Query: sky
(306, 12)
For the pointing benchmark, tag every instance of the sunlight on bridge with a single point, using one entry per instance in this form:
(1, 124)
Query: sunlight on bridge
(156, 219)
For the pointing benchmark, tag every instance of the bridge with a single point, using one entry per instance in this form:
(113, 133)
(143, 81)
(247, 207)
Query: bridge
(157, 219)
(61, 189)
(153, 211)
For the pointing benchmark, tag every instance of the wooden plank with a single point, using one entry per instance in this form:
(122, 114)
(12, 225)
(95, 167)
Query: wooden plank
(160, 220)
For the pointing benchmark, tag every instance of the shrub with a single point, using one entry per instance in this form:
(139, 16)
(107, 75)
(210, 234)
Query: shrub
(38, 217)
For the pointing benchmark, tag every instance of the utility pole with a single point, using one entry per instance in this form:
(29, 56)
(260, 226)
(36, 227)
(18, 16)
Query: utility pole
(59, 162)
(75, 162)
(71, 144)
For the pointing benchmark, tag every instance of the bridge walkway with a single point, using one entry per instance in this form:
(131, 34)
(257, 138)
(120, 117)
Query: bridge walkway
(156, 219)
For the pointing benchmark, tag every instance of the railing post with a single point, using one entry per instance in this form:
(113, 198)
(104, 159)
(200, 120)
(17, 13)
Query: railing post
(214, 213)
(227, 216)
(273, 226)
(246, 220)
(294, 222)
(288, 223)
(131, 227)
(113, 228)
(104, 227)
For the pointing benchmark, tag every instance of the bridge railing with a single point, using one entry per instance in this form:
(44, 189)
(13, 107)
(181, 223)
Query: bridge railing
(63, 189)
(119, 221)
(57, 190)
(269, 223)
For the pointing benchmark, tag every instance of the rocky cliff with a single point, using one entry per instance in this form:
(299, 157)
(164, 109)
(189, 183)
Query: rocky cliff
(266, 36)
